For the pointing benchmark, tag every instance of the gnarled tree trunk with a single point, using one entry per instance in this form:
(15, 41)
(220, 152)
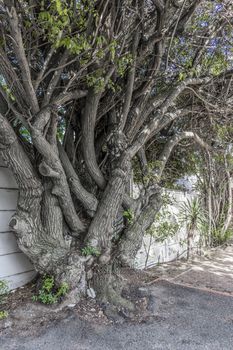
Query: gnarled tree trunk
(79, 100)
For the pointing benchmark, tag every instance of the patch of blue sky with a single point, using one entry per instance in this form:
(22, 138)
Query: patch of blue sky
(204, 24)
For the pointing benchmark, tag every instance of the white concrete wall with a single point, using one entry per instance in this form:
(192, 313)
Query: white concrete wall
(15, 268)
(173, 247)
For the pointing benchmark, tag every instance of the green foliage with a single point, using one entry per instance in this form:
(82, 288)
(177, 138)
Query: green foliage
(112, 49)
(150, 173)
(215, 57)
(180, 164)
(182, 76)
(56, 22)
(61, 129)
(218, 63)
(62, 290)
(3, 294)
(164, 227)
(137, 174)
(218, 237)
(6, 88)
(88, 250)
(123, 63)
(3, 314)
(192, 214)
(25, 134)
(129, 215)
(96, 80)
(167, 199)
(76, 45)
(3, 290)
(163, 230)
(59, 18)
(49, 293)
(224, 133)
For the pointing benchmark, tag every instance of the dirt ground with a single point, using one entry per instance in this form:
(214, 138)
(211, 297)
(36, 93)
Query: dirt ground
(213, 272)
(28, 317)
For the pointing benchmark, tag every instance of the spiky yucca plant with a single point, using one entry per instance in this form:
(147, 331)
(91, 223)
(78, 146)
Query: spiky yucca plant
(192, 215)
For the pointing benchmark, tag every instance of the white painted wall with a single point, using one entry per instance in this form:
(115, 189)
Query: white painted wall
(15, 268)
(173, 247)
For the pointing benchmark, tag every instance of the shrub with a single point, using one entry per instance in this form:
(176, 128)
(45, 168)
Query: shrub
(3, 290)
(219, 237)
(3, 294)
(3, 314)
(49, 293)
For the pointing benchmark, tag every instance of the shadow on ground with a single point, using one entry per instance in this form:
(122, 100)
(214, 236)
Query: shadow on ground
(181, 317)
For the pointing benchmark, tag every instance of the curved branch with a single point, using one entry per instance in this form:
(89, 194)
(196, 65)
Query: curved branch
(68, 96)
(46, 63)
(61, 187)
(88, 133)
(16, 159)
(174, 32)
(160, 119)
(13, 81)
(100, 230)
(54, 80)
(21, 57)
(164, 156)
(88, 200)
(46, 170)
(130, 83)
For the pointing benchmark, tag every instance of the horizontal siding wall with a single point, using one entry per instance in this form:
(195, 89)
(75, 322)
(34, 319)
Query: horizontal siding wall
(6, 179)
(15, 268)
(8, 244)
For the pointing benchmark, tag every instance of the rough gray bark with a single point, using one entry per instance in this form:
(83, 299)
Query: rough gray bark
(80, 102)
(131, 241)
(100, 231)
(88, 200)
(38, 221)
(108, 283)
(88, 130)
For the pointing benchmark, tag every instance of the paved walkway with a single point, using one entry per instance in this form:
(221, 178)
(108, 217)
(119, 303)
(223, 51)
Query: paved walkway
(183, 317)
(213, 272)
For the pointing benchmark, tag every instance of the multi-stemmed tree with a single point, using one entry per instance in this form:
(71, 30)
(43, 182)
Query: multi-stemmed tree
(85, 87)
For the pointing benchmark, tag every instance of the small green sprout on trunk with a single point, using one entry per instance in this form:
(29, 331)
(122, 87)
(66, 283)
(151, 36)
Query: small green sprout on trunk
(88, 250)
(129, 215)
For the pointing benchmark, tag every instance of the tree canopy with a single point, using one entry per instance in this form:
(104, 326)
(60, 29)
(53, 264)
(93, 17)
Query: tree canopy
(92, 92)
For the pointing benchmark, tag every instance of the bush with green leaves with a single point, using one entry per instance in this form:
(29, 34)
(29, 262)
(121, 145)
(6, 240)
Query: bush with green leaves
(3, 294)
(164, 226)
(3, 290)
(219, 237)
(164, 230)
(3, 314)
(49, 293)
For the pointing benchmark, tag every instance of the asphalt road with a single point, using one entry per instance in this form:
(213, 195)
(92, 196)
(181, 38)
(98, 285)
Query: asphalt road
(184, 318)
